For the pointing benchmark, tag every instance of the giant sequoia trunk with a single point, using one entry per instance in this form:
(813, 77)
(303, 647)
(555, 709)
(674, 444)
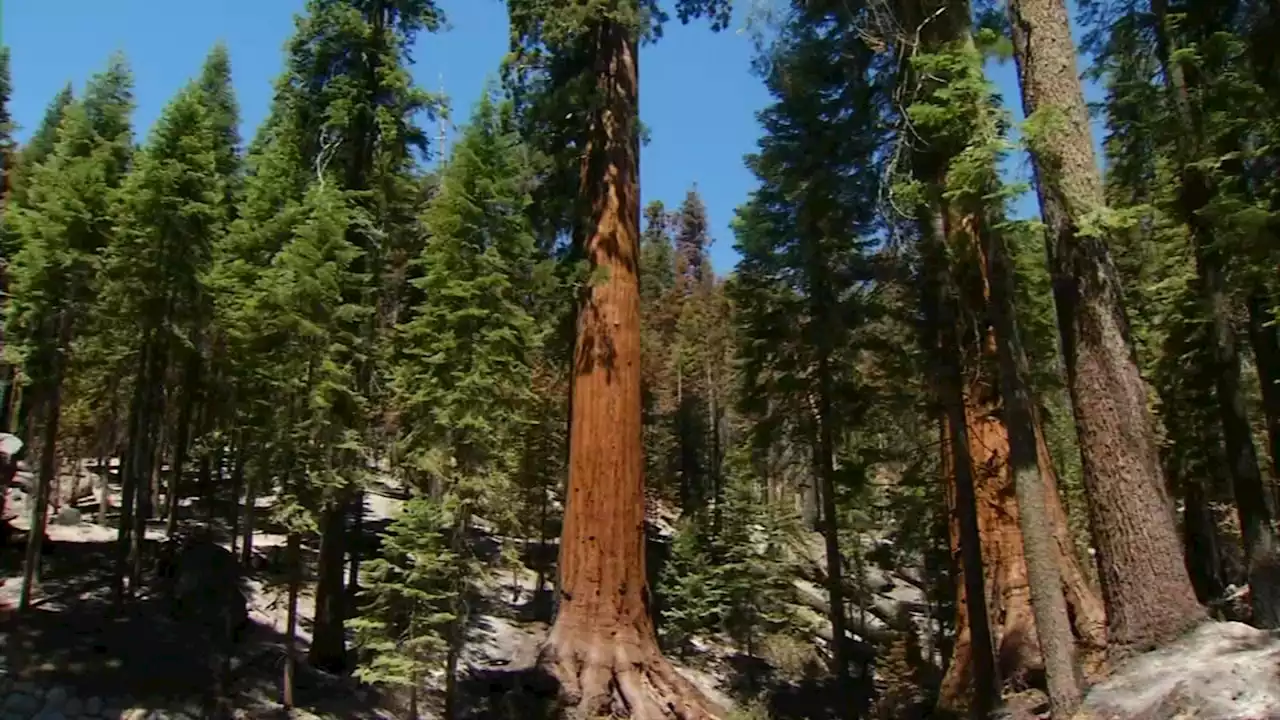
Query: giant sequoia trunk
(942, 334)
(1007, 579)
(1148, 594)
(602, 647)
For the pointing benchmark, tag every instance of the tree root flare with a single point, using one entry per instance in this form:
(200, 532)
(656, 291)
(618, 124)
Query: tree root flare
(620, 677)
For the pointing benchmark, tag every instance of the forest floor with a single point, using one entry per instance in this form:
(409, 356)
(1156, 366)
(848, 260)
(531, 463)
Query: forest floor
(76, 654)
(76, 646)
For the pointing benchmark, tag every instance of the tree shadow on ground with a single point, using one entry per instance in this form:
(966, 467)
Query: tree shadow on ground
(77, 638)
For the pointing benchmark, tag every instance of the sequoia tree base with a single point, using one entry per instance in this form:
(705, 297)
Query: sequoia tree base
(620, 674)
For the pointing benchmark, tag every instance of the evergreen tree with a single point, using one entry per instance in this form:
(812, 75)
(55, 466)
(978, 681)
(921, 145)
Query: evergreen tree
(463, 383)
(411, 601)
(41, 143)
(804, 238)
(67, 218)
(8, 145)
(8, 158)
(338, 146)
(657, 283)
(174, 208)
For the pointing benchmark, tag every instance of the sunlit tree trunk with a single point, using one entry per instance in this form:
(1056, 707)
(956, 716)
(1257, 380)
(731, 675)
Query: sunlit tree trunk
(1148, 594)
(602, 646)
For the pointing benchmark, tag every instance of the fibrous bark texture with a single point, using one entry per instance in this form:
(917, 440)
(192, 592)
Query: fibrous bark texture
(602, 647)
(1026, 466)
(1145, 585)
(1008, 588)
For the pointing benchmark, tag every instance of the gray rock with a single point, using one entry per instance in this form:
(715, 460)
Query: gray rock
(93, 706)
(14, 716)
(26, 687)
(74, 707)
(67, 516)
(20, 702)
(50, 714)
(56, 697)
(1221, 670)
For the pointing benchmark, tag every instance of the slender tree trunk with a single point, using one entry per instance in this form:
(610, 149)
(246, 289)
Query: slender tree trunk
(293, 550)
(356, 542)
(458, 626)
(602, 646)
(73, 494)
(1253, 502)
(237, 486)
(713, 426)
(808, 497)
(1204, 558)
(48, 465)
(328, 636)
(129, 472)
(107, 451)
(250, 504)
(1265, 339)
(157, 468)
(211, 465)
(543, 555)
(939, 308)
(151, 419)
(104, 487)
(824, 469)
(1145, 586)
(182, 440)
(7, 398)
(413, 696)
(1053, 625)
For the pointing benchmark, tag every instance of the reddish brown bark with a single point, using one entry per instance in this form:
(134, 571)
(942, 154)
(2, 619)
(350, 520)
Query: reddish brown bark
(1009, 597)
(602, 647)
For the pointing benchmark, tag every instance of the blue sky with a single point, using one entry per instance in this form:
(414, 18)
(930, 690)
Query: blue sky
(698, 96)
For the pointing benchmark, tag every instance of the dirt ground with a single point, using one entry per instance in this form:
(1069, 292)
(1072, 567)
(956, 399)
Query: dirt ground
(74, 635)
